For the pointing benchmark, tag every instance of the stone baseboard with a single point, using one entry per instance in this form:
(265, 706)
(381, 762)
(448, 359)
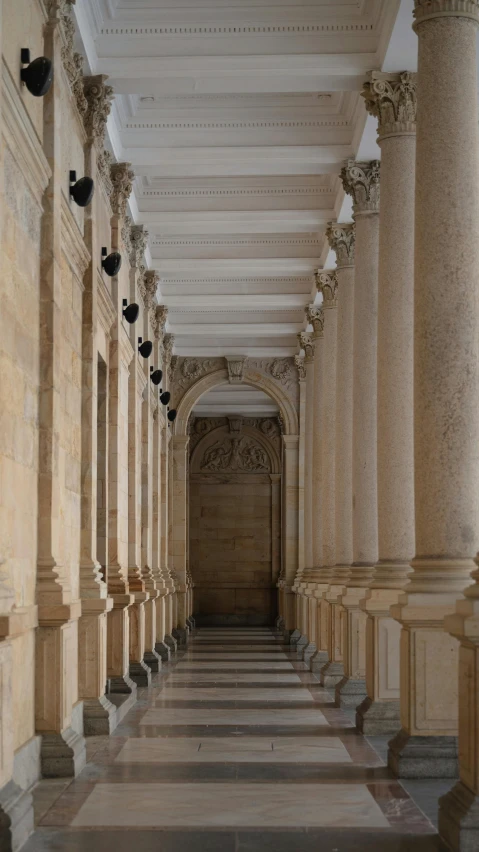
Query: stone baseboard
(62, 755)
(295, 635)
(181, 636)
(350, 692)
(99, 717)
(308, 651)
(331, 674)
(423, 757)
(121, 685)
(378, 717)
(16, 817)
(140, 673)
(171, 642)
(318, 661)
(153, 660)
(459, 819)
(163, 651)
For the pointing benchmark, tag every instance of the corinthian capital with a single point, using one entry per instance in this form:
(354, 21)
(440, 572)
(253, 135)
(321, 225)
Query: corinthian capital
(161, 314)
(138, 243)
(315, 316)
(361, 181)
(122, 178)
(98, 97)
(392, 99)
(305, 341)
(327, 284)
(342, 240)
(425, 10)
(149, 287)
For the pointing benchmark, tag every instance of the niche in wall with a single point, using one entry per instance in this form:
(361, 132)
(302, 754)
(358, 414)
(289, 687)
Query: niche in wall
(234, 518)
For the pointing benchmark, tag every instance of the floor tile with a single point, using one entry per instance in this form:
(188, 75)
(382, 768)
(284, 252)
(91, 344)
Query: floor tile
(229, 677)
(244, 749)
(236, 694)
(214, 716)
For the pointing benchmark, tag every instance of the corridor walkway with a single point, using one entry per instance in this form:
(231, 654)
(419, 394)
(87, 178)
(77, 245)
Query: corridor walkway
(235, 748)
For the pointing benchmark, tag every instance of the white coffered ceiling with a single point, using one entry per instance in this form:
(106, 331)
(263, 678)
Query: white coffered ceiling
(237, 116)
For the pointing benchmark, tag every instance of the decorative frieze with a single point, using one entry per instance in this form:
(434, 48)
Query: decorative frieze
(305, 341)
(138, 242)
(361, 181)
(122, 178)
(327, 284)
(342, 240)
(392, 99)
(98, 97)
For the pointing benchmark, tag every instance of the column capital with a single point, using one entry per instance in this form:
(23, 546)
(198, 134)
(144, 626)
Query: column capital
(342, 240)
(161, 314)
(148, 286)
(392, 99)
(122, 178)
(300, 366)
(305, 341)
(315, 316)
(426, 10)
(361, 182)
(98, 98)
(138, 242)
(327, 284)
(168, 343)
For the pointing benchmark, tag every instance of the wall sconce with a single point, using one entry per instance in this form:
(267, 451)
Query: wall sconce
(81, 190)
(171, 415)
(155, 376)
(111, 263)
(145, 349)
(165, 397)
(38, 76)
(130, 312)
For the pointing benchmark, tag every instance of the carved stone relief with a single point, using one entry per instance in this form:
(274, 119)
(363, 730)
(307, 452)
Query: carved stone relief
(235, 455)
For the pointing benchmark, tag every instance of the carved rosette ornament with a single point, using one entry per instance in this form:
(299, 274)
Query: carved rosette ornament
(425, 10)
(361, 182)
(342, 240)
(161, 314)
(300, 366)
(315, 317)
(392, 99)
(305, 341)
(138, 242)
(98, 97)
(327, 284)
(236, 368)
(150, 281)
(122, 178)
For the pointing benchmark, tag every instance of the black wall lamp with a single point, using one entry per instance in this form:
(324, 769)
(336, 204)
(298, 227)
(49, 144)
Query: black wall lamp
(145, 349)
(171, 415)
(81, 190)
(130, 312)
(38, 75)
(165, 397)
(111, 263)
(155, 376)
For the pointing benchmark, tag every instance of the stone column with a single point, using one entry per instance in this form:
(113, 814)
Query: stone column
(361, 180)
(58, 713)
(392, 99)
(342, 240)
(275, 479)
(446, 422)
(300, 366)
(327, 283)
(170, 604)
(290, 525)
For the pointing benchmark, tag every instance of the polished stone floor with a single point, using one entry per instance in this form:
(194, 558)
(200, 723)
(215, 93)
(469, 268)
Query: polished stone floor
(234, 748)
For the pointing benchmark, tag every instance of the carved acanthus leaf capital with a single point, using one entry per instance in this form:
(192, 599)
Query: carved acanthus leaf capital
(151, 279)
(122, 178)
(98, 97)
(425, 10)
(361, 181)
(392, 99)
(236, 368)
(138, 241)
(342, 240)
(327, 284)
(315, 316)
(161, 315)
(305, 341)
(300, 366)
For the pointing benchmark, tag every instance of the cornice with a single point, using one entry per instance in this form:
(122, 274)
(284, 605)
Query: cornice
(300, 280)
(300, 241)
(236, 125)
(73, 245)
(22, 138)
(248, 191)
(327, 28)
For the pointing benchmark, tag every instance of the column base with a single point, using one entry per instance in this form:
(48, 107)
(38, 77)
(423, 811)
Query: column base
(163, 651)
(423, 757)
(181, 636)
(279, 622)
(152, 660)
(301, 644)
(350, 692)
(121, 685)
(140, 673)
(16, 817)
(318, 661)
(308, 651)
(286, 635)
(62, 755)
(295, 635)
(171, 642)
(99, 717)
(459, 819)
(378, 717)
(331, 674)
(191, 623)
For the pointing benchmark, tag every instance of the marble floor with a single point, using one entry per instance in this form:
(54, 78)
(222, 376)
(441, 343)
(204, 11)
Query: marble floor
(235, 747)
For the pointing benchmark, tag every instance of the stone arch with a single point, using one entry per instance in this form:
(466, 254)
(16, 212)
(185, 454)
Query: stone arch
(251, 377)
